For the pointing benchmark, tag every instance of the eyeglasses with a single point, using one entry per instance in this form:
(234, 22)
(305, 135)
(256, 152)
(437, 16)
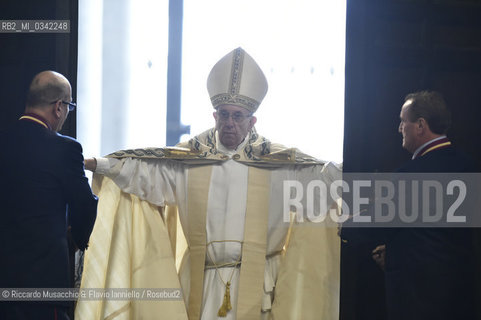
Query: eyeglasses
(71, 105)
(237, 117)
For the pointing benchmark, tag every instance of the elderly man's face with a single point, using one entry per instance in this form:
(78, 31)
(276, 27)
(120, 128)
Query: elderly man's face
(233, 124)
(408, 129)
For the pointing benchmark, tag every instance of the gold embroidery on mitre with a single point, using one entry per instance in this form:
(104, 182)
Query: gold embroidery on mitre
(232, 96)
(237, 99)
(236, 71)
(228, 84)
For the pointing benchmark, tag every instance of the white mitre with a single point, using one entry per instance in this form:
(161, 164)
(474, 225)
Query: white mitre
(237, 79)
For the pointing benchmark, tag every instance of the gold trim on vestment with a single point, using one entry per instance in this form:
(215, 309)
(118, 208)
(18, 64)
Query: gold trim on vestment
(198, 192)
(251, 282)
(201, 150)
(254, 244)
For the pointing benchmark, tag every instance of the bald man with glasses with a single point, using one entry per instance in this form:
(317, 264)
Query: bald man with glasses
(44, 192)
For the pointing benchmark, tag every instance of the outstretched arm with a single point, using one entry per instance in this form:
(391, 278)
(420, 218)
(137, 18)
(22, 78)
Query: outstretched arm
(90, 164)
(82, 203)
(154, 180)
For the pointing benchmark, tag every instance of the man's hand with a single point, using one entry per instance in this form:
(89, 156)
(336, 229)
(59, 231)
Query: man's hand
(90, 164)
(379, 255)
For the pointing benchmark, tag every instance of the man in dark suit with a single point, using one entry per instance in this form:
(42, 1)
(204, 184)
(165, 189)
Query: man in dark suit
(428, 271)
(43, 192)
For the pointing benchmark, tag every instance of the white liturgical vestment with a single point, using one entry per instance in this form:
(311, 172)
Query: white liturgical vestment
(165, 182)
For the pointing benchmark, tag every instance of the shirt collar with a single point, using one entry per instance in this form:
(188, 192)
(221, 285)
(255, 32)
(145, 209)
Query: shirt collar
(422, 147)
(33, 117)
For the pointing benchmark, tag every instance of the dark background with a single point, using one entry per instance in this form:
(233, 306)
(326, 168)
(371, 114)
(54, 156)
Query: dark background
(26, 54)
(393, 47)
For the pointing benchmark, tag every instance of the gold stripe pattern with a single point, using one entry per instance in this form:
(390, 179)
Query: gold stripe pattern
(198, 190)
(34, 119)
(436, 147)
(251, 281)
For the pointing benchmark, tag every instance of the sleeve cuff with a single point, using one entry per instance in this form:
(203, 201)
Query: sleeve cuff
(104, 165)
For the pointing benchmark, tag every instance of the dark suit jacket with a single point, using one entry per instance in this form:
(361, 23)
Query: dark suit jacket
(429, 271)
(42, 178)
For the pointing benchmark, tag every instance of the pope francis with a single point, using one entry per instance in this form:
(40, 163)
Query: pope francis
(215, 208)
